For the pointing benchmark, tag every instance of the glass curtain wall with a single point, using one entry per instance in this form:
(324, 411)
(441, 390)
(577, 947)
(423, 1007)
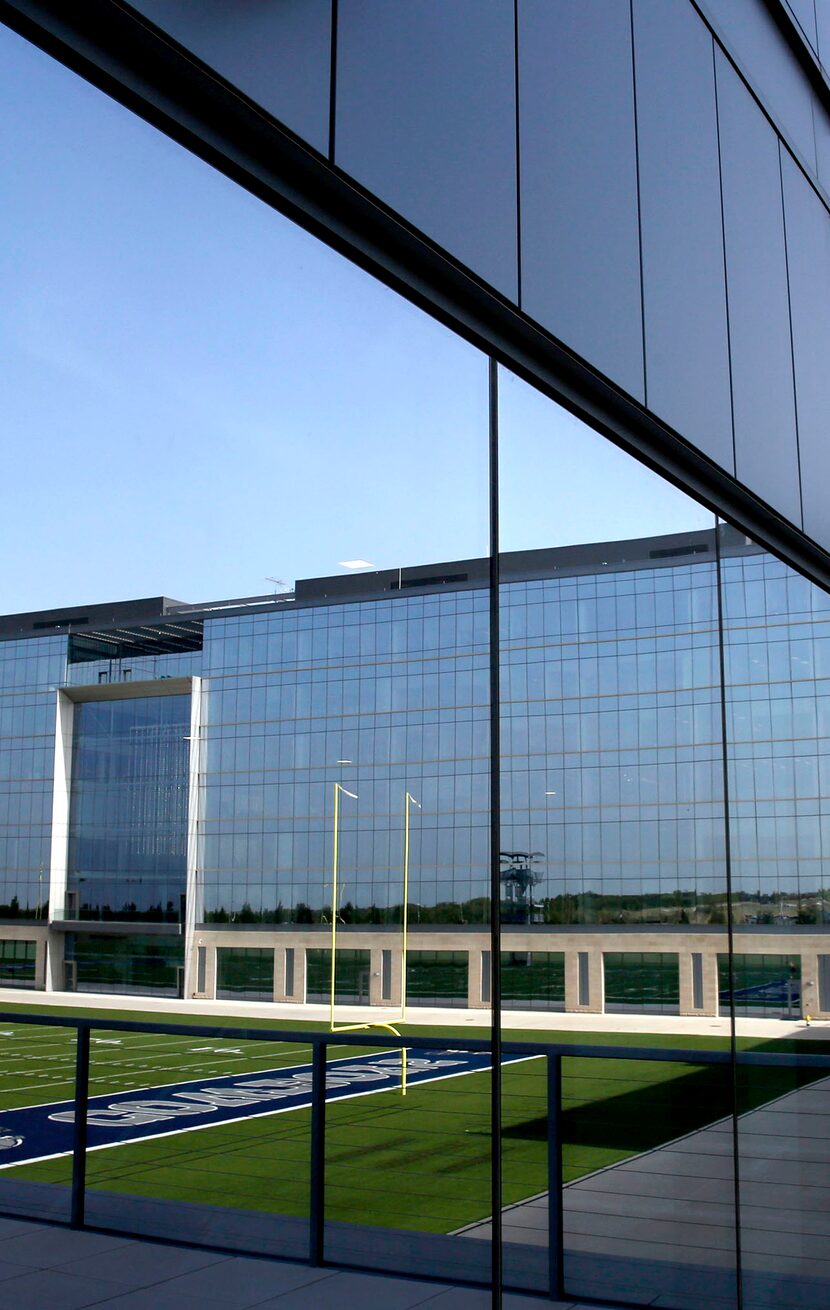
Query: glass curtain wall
(265, 422)
(662, 725)
(128, 809)
(30, 672)
(613, 841)
(776, 631)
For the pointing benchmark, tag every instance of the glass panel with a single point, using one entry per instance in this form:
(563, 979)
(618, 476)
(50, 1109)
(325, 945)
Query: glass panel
(761, 985)
(613, 865)
(647, 1166)
(776, 639)
(241, 1181)
(245, 972)
(533, 980)
(37, 1066)
(127, 849)
(351, 976)
(271, 789)
(151, 966)
(17, 963)
(641, 981)
(439, 978)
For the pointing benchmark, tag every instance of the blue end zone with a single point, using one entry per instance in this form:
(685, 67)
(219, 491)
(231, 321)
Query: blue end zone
(45, 1131)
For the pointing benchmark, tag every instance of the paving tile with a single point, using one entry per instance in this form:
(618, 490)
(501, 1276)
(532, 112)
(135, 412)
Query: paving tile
(143, 1300)
(44, 1289)
(14, 1227)
(706, 1209)
(514, 1301)
(349, 1291)
(232, 1284)
(465, 1298)
(9, 1271)
(139, 1264)
(474, 1298)
(42, 1248)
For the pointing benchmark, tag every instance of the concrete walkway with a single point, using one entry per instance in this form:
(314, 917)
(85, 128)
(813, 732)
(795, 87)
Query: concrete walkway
(51, 1268)
(164, 1008)
(663, 1222)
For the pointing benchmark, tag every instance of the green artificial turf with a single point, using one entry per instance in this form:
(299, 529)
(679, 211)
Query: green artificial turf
(420, 1162)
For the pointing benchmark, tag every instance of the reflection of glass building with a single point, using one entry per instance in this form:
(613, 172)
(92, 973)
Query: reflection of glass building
(168, 775)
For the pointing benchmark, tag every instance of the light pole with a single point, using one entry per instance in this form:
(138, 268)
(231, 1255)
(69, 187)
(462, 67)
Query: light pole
(338, 788)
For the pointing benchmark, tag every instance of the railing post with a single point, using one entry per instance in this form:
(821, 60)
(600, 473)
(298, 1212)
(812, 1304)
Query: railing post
(317, 1206)
(556, 1242)
(79, 1140)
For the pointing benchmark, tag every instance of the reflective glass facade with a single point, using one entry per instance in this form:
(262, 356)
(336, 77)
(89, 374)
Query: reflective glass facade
(612, 764)
(30, 673)
(147, 965)
(612, 772)
(128, 808)
(613, 811)
(777, 684)
(386, 697)
(17, 964)
(194, 799)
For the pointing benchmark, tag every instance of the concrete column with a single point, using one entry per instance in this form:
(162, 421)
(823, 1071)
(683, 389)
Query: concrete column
(191, 976)
(584, 989)
(395, 991)
(698, 982)
(64, 720)
(210, 973)
(54, 962)
(280, 974)
(710, 982)
(474, 979)
(376, 975)
(40, 962)
(194, 886)
(300, 975)
(809, 983)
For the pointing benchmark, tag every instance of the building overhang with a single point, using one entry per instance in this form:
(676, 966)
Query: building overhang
(128, 690)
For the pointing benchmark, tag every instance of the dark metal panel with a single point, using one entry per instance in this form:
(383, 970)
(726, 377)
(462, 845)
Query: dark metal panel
(808, 250)
(752, 36)
(821, 122)
(425, 118)
(684, 294)
(104, 42)
(804, 13)
(579, 216)
(766, 448)
(279, 55)
(823, 32)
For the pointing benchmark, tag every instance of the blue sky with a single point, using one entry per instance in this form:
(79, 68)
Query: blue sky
(197, 395)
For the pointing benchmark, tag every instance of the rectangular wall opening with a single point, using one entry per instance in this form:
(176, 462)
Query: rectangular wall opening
(533, 980)
(17, 964)
(642, 982)
(245, 973)
(351, 976)
(437, 978)
(763, 985)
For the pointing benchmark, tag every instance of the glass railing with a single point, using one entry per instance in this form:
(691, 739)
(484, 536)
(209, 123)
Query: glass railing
(619, 1162)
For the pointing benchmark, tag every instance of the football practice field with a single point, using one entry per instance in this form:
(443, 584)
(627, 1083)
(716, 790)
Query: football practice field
(225, 1122)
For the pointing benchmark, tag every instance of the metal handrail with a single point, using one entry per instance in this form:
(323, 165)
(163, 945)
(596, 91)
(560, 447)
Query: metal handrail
(553, 1052)
(672, 1054)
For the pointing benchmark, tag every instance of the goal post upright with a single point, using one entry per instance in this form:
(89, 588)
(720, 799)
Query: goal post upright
(334, 1027)
(335, 868)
